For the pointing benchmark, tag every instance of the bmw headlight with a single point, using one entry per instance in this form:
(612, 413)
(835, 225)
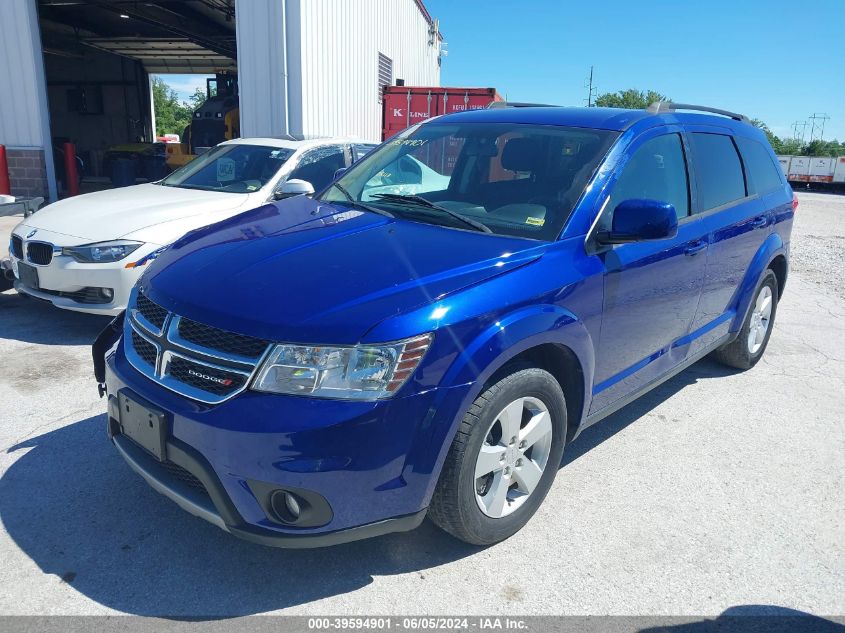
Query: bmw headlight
(360, 372)
(101, 252)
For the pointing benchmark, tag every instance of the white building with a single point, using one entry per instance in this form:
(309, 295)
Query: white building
(80, 70)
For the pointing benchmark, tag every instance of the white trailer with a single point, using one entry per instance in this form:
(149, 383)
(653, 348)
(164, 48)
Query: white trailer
(821, 169)
(799, 169)
(784, 164)
(839, 171)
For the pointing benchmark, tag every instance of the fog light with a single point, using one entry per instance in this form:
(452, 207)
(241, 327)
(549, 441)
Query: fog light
(286, 506)
(107, 293)
(292, 505)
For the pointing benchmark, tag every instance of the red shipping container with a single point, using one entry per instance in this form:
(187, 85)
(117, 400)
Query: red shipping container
(404, 106)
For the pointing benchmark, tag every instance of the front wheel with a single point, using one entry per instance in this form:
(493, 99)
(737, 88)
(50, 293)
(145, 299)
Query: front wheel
(749, 345)
(503, 459)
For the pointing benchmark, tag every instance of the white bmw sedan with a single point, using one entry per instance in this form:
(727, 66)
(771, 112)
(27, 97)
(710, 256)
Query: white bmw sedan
(85, 253)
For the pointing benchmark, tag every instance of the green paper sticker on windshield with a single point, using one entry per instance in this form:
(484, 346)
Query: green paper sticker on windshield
(535, 221)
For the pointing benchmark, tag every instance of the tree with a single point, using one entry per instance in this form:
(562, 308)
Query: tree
(197, 99)
(171, 115)
(631, 98)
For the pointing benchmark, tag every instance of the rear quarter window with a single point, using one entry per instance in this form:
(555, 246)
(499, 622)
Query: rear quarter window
(718, 170)
(763, 172)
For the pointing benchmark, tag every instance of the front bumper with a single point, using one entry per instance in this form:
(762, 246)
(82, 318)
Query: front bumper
(375, 463)
(67, 276)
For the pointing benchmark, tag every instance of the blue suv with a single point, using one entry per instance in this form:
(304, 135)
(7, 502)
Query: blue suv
(427, 334)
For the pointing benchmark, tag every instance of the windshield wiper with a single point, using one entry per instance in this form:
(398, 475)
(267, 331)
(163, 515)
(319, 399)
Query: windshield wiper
(422, 202)
(361, 205)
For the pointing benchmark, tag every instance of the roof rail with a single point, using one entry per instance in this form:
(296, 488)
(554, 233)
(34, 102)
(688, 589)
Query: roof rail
(517, 104)
(659, 107)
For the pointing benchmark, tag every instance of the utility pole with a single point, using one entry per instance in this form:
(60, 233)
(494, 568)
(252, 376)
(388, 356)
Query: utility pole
(591, 92)
(818, 117)
(803, 126)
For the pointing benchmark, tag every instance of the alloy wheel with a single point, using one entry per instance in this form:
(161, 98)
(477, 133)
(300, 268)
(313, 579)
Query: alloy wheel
(761, 317)
(513, 457)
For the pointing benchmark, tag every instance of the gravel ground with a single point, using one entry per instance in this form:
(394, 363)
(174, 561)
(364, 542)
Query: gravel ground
(818, 240)
(716, 491)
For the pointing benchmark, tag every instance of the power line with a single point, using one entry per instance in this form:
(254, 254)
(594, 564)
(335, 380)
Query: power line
(818, 117)
(803, 126)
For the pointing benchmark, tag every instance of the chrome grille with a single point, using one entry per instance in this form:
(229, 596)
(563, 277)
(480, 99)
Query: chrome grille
(146, 351)
(17, 247)
(40, 253)
(211, 366)
(151, 311)
(221, 340)
(220, 382)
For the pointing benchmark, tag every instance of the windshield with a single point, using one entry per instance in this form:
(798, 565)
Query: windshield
(232, 168)
(511, 179)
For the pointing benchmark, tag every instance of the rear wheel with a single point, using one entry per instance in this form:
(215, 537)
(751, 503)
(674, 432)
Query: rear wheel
(747, 349)
(503, 459)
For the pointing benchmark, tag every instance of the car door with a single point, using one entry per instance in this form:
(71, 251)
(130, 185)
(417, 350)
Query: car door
(738, 222)
(318, 165)
(651, 288)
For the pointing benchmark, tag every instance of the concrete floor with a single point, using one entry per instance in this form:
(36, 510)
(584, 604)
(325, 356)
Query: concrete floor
(718, 490)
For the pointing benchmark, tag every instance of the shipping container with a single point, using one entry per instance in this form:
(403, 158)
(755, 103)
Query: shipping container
(784, 164)
(821, 169)
(839, 172)
(799, 169)
(404, 106)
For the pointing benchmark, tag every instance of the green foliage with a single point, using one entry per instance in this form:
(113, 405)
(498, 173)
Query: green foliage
(631, 98)
(794, 147)
(172, 116)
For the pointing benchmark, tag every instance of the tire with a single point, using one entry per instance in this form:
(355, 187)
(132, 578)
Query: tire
(456, 506)
(740, 352)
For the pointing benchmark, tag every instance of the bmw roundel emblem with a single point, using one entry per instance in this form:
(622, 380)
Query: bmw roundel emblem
(31, 233)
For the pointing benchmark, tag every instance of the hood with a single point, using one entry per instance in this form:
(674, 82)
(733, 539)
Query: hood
(307, 272)
(117, 213)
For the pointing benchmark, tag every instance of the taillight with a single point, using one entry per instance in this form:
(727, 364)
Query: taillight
(794, 202)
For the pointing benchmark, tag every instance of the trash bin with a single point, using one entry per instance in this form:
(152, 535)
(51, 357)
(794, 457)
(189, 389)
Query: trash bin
(154, 167)
(122, 172)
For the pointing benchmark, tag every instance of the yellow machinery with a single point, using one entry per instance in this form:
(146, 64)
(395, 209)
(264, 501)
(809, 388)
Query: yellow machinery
(215, 121)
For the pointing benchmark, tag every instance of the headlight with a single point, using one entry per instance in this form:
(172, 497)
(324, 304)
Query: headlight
(102, 252)
(362, 372)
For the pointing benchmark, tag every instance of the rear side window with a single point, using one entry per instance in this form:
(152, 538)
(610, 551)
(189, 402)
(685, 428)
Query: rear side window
(763, 172)
(718, 170)
(656, 171)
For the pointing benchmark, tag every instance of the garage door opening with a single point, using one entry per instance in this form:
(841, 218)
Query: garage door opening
(101, 62)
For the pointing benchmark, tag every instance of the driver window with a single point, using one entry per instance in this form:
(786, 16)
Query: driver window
(656, 171)
(318, 166)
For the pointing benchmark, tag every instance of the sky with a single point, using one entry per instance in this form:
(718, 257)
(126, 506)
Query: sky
(185, 85)
(773, 60)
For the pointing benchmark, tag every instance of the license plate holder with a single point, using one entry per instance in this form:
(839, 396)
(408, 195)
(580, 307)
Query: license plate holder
(28, 275)
(143, 424)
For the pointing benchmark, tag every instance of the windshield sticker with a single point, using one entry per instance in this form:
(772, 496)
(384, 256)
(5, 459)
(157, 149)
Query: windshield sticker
(225, 169)
(410, 142)
(277, 153)
(535, 221)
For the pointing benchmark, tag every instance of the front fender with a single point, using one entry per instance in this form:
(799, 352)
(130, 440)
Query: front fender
(511, 335)
(771, 248)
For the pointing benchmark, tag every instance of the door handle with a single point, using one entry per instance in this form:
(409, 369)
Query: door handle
(760, 222)
(695, 247)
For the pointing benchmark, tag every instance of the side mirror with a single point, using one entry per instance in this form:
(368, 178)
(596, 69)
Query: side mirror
(293, 187)
(339, 173)
(639, 220)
